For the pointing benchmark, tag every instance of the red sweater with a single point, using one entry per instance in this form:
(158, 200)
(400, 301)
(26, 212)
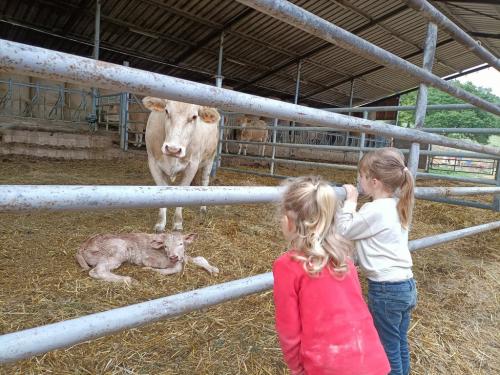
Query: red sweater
(323, 323)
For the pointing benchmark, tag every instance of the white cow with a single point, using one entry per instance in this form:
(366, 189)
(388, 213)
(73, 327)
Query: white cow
(181, 142)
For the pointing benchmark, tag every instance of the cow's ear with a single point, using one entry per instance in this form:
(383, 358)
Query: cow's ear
(154, 104)
(209, 115)
(189, 238)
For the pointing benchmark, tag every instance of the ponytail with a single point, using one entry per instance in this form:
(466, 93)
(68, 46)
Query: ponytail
(388, 166)
(312, 203)
(406, 199)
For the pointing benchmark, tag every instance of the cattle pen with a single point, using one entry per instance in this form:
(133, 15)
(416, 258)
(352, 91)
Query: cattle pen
(51, 200)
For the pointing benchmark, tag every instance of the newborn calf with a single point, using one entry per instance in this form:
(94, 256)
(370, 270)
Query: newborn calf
(163, 253)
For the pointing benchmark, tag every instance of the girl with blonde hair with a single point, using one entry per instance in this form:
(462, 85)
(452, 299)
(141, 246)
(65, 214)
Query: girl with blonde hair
(323, 323)
(380, 233)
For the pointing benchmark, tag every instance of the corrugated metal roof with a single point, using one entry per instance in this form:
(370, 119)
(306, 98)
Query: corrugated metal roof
(181, 38)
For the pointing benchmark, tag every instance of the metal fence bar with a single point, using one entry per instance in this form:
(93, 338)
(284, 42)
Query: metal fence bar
(357, 149)
(463, 130)
(424, 242)
(394, 108)
(292, 161)
(252, 172)
(436, 176)
(87, 197)
(420, 175)
(459, 202)
(434, 15)
(30, 342)
(427, 130)
(314, 25)
(34, 61)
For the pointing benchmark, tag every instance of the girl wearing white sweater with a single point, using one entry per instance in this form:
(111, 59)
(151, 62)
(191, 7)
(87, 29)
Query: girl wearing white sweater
(380, 232)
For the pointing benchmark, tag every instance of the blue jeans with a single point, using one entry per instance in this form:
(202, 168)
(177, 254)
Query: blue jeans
(390, 304)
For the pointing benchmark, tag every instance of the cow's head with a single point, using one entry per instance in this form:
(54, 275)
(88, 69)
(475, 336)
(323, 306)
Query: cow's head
(242, 121)
(180, 122)
(174, 244)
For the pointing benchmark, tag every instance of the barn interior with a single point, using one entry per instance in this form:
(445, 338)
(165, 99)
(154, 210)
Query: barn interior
(56, 140)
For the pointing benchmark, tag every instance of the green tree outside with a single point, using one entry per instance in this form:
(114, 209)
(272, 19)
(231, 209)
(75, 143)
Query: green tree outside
(454, 119)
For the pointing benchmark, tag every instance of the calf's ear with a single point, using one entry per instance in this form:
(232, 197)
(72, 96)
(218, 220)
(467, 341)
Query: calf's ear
(154, 104)
(189, 238)
(158, 242)
(209, 115)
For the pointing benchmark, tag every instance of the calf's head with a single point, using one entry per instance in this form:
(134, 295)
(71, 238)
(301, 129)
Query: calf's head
(174, 244)
(180, 122)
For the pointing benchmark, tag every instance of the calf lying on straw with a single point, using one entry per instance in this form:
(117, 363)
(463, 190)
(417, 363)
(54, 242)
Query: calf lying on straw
(163, 253)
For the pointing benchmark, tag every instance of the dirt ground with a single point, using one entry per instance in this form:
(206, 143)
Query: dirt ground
(455, 327)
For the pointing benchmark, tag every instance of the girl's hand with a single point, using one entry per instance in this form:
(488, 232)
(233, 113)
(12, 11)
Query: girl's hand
(351, 193)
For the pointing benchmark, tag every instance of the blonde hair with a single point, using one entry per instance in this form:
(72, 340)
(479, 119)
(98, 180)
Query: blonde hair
(388, 166)
(311, 203)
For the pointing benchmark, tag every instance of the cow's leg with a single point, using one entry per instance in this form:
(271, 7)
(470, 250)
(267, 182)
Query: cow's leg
(141, 137)
(263, 148)
(102, 271)
(187, 178)
(160, 181)
(239, 148)
(204, 181)
(245, 150)
(203, 263)
(166, 271)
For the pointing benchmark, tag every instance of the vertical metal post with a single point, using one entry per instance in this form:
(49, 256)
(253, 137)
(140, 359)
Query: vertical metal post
(124, 117)
(496, 198)
(273, 150)
(10, 94)
(218, 83)
(219, 77)
(351, 96)
(95, 53)
(428, 158)
(362, 138)
(429, 51)
(296, 99)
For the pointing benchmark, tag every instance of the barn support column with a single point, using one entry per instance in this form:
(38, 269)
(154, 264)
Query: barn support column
(362, 138)
(296, 101)
(351, 96)
(429, 51)
(218, 82)
(124, 117)
(95, 55)
(273, 148)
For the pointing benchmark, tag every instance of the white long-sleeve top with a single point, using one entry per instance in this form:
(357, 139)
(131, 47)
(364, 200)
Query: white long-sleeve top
(380, 239)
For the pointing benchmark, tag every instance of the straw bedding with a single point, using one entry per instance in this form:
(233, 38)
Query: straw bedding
(455, 328)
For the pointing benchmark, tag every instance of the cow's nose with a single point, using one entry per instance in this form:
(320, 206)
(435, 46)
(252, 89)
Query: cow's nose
(174, 258)
(172, 149)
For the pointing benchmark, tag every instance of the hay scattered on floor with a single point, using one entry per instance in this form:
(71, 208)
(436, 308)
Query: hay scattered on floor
(455, 329)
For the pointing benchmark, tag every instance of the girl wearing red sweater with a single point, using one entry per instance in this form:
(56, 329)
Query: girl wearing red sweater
(323, 323)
